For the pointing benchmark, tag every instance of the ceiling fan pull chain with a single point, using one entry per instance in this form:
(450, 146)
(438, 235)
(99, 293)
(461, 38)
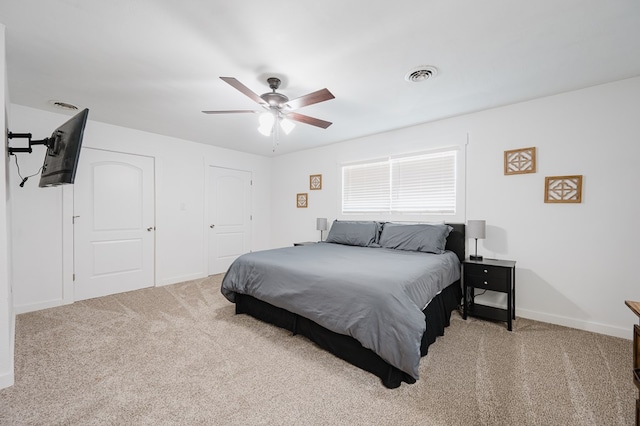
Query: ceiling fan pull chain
(274, 134)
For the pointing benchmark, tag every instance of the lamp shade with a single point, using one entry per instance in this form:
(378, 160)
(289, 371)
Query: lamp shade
(287, 125)
(266, 123)
(476, 229)
(321, 224)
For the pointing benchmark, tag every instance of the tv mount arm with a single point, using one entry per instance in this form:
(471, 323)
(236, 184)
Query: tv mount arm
(48, 142)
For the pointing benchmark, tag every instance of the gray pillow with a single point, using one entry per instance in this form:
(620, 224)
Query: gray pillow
(415, 237)
(353, 233)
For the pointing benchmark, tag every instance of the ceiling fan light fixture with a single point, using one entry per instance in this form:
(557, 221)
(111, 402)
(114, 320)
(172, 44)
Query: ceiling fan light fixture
(266, 123)
(287, 125)
(421, 73)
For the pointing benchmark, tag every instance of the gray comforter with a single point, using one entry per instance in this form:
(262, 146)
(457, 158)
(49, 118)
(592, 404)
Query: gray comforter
(375, 295)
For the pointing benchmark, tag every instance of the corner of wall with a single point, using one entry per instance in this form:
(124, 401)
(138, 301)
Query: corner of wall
(7, 316)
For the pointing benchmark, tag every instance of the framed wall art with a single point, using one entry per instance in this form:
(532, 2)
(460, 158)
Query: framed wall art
(302, 200)
(563, 189)
(520, 161)
(315, 182)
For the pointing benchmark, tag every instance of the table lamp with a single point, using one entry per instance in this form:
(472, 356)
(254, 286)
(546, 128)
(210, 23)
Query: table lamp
(476, 230)
(321, 225)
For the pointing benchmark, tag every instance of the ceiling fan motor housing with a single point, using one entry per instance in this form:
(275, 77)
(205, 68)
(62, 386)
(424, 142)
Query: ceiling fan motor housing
(275, 99)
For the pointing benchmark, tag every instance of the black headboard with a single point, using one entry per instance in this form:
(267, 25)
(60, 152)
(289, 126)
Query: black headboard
(456, 240)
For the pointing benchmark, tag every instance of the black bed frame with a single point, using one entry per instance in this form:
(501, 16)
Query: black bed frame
(437, 317)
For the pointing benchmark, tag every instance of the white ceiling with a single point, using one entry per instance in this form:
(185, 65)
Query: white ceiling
(154, 65)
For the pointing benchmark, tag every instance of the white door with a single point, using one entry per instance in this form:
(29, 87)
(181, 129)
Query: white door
(229, 227)
(114, 231)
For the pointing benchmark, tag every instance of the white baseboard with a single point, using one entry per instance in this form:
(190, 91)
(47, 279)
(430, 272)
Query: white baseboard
(6, 380)
(180, 279)
(23, 309)
(609, 330)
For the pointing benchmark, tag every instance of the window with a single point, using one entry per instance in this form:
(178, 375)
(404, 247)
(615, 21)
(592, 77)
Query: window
(422, 183)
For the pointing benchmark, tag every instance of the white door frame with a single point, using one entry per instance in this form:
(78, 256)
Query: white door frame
(67, 231)
(67, 244)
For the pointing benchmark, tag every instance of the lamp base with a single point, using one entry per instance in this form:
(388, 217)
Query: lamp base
(475, 257)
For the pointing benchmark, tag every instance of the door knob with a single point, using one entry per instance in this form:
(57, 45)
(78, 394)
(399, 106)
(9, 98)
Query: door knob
(211, 226)
(151, 228)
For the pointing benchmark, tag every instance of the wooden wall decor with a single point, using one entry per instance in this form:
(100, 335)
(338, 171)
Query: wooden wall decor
(301, 200)
(563, 189)
(315, 182)
(519, 161)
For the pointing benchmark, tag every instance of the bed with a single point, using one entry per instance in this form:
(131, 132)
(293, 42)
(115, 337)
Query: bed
(374, 294)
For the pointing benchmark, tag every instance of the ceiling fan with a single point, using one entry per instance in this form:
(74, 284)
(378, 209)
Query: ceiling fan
(278, 106)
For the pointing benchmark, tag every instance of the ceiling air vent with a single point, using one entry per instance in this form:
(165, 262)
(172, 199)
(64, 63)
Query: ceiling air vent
(421, 73)
(63, 105)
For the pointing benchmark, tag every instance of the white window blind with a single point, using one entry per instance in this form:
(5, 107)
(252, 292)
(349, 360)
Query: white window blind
(424, 183)
(366, 187)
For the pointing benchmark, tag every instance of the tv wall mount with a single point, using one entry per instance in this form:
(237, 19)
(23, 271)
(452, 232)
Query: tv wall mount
(51, 143)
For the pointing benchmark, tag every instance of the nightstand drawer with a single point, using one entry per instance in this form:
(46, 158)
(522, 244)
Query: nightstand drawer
(493, 272)
(487, 277)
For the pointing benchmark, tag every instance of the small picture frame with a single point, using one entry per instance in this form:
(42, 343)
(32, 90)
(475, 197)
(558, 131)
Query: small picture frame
(520, 161)
(563, 189)
(315, 182)
(302, 200)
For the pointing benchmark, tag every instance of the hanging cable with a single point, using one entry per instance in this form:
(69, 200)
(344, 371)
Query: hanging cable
(24, 179)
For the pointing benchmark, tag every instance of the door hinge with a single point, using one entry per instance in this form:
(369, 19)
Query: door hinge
(74, 277)
(250, 217)
(251, 182)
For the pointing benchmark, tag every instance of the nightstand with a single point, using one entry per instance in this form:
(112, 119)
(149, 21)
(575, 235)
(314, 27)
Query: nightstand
(305, 243)
(493, 275)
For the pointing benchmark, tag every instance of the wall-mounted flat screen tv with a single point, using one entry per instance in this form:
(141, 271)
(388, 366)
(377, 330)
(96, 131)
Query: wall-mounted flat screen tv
(63, 152)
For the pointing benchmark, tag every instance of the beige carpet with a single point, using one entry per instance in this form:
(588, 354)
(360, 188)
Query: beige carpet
(179, 355)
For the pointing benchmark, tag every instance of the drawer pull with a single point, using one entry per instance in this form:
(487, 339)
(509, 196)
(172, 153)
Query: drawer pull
(486, 283)
(485, 271)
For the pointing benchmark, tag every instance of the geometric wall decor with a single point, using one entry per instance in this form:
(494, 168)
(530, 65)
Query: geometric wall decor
(301, 200)
(519, 161)
(315, 182)
(563, 189)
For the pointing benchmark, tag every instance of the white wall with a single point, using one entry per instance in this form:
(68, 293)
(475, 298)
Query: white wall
(181, 250)
(574, 261)
(7, 318)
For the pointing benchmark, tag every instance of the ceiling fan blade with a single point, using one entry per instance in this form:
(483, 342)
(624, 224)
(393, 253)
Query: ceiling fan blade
(231, 111)
(308, 120)
(244, 89)
(310, 99)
